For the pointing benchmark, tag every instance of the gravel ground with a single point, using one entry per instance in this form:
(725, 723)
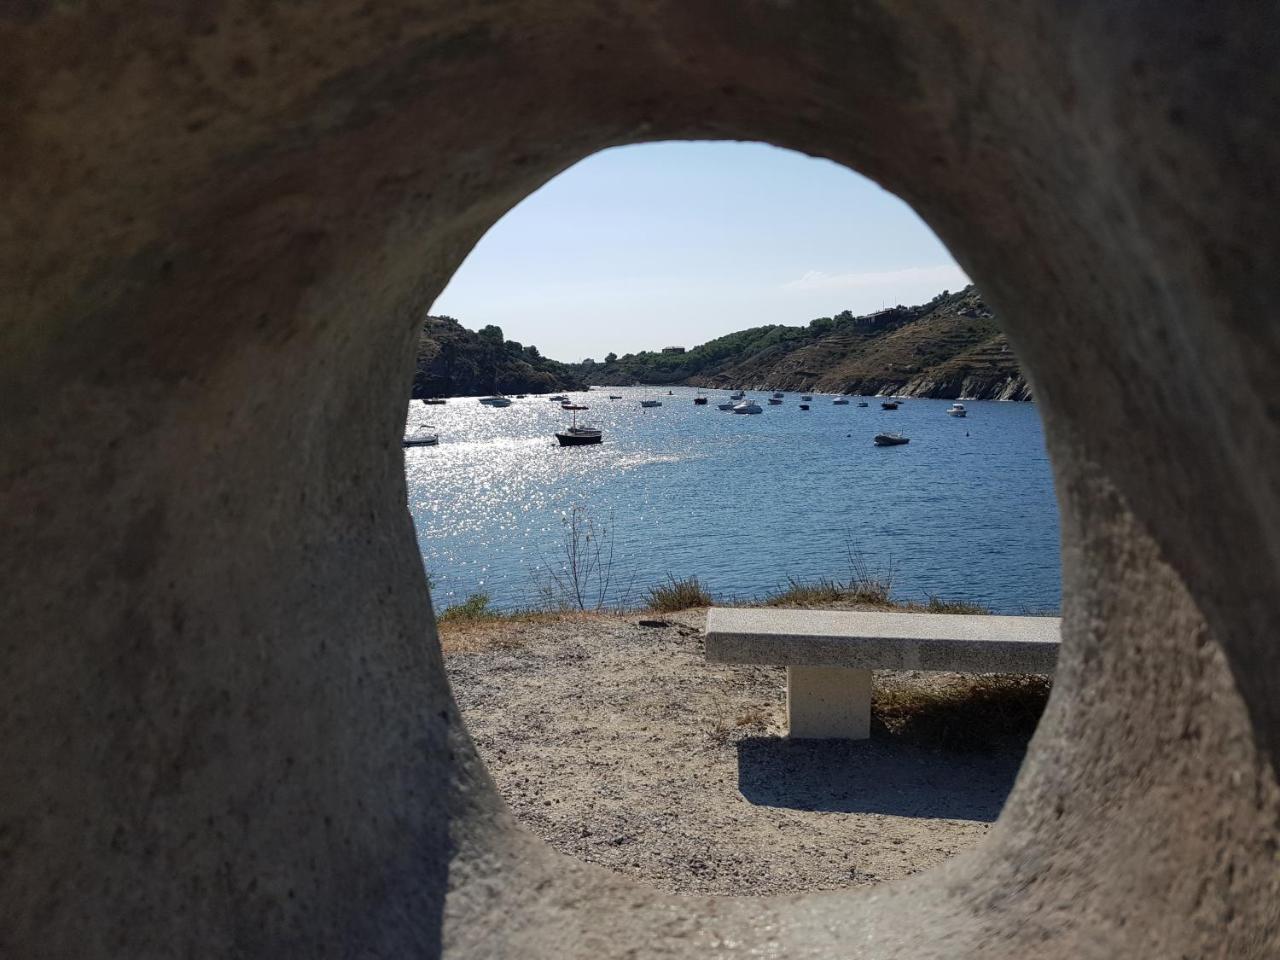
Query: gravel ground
(618, 744)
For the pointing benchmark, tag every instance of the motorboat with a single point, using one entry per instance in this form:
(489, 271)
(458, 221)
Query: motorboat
(576, 436)
(739, 395)
(573, 406)
(889, 404)
(891, 440)
(748, 406)
(778, 395)
(957, 410)
(725, 406)
(842, 402)
(774, 402)
(863, 403)
(434, 401)
(615, 396)
(650, 403)
(699, 401)
(807, 398)
(558, 398)
(423, 436)
(521, 396)
(496, 401)
(804, 406)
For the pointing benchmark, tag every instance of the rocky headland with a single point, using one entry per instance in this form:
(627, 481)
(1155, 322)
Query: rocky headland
(453, 361)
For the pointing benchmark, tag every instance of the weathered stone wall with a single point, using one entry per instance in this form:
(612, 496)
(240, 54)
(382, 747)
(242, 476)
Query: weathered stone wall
(225, 729)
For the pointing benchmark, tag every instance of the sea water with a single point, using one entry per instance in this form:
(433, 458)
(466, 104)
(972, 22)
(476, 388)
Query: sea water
(748, 504)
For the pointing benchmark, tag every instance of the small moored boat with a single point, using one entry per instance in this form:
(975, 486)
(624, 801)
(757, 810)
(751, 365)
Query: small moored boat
(804, 406)
(615, 396)
(423, 436)
(576, 436)
(748, 406)
(891, 440)
(650, 403)
(863, 403)
(807, 398)
(778, 395)
(842, 402)
(573, 406)
(495, 401)
(774, 402)
(957, 410)
(725, 406)
(699, 401)
(434, 401)
(737, 395)
(889, 405)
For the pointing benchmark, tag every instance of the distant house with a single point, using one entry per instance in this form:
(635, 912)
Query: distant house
(673, 349)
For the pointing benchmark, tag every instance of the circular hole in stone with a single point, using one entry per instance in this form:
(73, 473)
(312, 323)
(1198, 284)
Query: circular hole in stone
(603, 724)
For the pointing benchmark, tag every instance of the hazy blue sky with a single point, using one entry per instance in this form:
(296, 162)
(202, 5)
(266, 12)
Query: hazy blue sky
(675, 243)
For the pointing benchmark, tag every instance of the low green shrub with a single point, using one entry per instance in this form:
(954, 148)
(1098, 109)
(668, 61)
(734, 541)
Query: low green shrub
(475, 607)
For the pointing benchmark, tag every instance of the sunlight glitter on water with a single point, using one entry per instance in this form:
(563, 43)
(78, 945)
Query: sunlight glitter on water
(965, 511)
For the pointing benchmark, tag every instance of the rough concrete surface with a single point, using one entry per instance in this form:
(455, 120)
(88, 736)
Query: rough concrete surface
(884, 641)
(226, 728)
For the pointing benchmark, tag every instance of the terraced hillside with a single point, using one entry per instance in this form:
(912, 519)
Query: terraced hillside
(951, 348)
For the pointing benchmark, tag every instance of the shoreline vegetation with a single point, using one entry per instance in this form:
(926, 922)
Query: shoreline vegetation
(948, 348)
(677, 595)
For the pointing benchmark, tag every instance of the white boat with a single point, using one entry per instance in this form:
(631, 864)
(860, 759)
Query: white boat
(957, 410)
(423, 436)
(840, 402)
(748, 406)
(495, 401)
(725, 406)
(650, 403)
(558, 398)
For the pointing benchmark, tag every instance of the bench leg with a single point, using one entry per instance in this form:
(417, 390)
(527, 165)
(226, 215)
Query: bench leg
(828, 703)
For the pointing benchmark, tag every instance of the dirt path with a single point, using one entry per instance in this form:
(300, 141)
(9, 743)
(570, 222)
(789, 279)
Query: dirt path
(620, 745)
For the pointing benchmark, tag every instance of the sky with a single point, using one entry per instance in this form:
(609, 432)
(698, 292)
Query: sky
(673, 244)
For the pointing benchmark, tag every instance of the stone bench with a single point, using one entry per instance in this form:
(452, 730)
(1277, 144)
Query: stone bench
(829, 655)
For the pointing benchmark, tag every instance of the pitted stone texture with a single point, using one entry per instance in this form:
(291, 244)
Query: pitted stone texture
(884, 641)
(226, 730)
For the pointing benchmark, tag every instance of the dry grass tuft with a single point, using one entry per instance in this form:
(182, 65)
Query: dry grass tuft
(825, 591)
(678, 595)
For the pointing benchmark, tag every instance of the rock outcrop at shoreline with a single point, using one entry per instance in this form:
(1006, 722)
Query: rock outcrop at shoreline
(951, 348)
(454, 361)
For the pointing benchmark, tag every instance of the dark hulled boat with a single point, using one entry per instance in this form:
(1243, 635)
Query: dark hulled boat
(576, 436)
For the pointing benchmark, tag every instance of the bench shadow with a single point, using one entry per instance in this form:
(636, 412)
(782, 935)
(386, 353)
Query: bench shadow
(883, 776)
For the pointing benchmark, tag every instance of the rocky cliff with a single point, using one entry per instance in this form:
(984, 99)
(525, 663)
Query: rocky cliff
(950, 347)
(453, 361)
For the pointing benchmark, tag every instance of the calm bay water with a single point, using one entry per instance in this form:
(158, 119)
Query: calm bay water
(966, 511)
